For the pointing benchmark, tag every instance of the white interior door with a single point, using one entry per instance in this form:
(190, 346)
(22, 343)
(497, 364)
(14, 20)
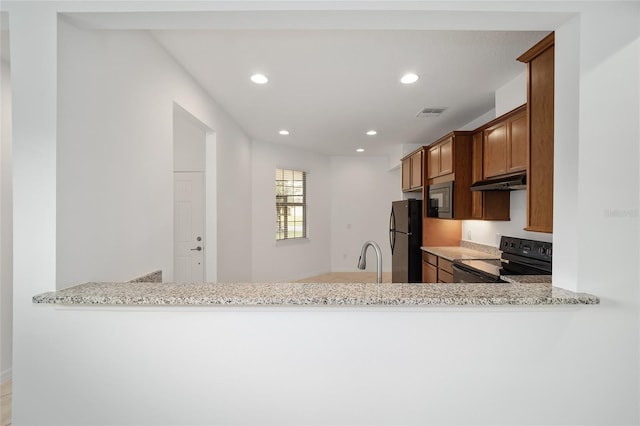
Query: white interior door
(189, 244)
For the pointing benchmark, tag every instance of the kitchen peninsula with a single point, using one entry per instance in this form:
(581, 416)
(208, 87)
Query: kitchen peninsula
(313, 294)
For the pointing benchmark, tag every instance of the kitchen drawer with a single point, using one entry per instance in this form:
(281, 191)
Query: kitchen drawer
(444, 276)
(430, 258)
(445, 264)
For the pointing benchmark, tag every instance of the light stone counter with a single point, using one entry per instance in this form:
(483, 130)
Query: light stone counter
(460, 253)
(313, 294)
(527, 279)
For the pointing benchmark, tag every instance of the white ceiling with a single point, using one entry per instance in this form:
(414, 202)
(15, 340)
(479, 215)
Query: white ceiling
(335, 74)
(328, 87)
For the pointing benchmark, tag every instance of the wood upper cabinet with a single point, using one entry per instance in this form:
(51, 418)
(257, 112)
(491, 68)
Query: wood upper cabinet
(489, 205)
(440, 158)
(449, 159)
(476, 175)
(517, 146)
(412, 171)
(505, 144)
(540, 95)
(416, 169)
(406, 174)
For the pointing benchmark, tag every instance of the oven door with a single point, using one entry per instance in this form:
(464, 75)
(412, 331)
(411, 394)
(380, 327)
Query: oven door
(464, 274)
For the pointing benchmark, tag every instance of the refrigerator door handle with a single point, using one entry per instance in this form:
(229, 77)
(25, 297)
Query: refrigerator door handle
(392, 230)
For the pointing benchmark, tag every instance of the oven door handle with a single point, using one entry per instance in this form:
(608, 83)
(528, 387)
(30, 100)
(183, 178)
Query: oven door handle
(462, 270)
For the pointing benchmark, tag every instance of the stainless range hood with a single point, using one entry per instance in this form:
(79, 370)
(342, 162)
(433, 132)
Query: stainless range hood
(508, 183)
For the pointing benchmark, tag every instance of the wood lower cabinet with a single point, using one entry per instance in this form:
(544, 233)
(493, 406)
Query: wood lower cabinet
(445, 270)
(540, 100)
(489, 205)
(429, 268)
(505, 144)
(436, 269)
(412, 171)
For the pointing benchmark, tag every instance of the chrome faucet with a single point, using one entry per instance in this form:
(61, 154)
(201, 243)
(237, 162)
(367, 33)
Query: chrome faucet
(362, 262)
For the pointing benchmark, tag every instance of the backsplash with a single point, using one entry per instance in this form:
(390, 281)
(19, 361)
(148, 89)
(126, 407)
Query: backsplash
(489, 232)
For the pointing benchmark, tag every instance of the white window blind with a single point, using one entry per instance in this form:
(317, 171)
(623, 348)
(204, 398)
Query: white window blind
(291, 204)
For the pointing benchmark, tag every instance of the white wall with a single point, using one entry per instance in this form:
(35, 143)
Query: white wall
(6, 225)
(362, 191)
(115, 160)
(512, 94)
(295, 259)
(349, 203)
(189, 142)
(327, 366)
(552, 366)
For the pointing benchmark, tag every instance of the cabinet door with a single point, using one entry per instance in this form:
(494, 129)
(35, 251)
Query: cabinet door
(416, 170)
(495, 150)
(540, 176)
(476, 175)
(444, 276)
(429, 273)
(406, 174)
(433, 161)
(517, 160)
(446, 157)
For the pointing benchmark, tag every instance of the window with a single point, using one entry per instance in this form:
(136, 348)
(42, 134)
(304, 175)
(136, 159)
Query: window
(291, 204)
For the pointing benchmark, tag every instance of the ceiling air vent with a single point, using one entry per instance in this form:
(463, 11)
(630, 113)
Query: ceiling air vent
(430, 112)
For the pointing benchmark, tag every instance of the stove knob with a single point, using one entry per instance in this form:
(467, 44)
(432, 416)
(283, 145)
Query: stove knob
(541, 250)
(549, 251)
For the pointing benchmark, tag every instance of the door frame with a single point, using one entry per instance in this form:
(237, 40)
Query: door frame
(210, 257)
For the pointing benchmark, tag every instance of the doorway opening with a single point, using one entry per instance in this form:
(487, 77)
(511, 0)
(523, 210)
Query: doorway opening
(194, 184)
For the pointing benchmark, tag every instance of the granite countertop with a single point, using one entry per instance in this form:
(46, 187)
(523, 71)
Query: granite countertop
(461, 253)
(313, 294)
(527, 279)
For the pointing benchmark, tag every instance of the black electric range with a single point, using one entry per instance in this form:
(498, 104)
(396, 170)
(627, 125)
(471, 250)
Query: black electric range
(519, 257)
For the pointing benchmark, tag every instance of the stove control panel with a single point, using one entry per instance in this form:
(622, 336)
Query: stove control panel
(527, 248)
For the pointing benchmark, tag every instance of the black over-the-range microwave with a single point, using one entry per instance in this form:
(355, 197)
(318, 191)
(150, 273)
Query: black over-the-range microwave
(440, 200)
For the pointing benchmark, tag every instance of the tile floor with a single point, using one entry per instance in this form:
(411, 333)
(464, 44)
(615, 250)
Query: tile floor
(5, 403)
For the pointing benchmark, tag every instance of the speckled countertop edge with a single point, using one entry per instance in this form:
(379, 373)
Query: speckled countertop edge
(312, 294)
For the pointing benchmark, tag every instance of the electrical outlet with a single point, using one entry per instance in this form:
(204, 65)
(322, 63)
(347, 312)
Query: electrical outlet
(498, 236)
(469, 234)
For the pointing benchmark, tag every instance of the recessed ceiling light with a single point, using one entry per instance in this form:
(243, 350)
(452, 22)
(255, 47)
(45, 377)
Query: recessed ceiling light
(259, 78)
(409, 78)
(372, 133)
(360, 150)
(284, 132)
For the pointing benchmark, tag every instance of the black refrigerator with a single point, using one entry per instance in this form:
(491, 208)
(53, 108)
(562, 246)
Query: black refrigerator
(405, 238)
